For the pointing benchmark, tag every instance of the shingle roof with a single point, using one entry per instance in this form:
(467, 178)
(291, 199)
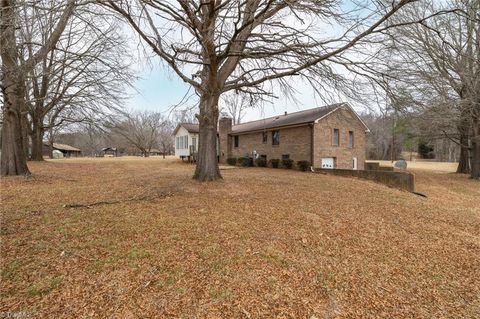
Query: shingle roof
(190, 127)
(296, 118)
(301, 117)
(65, 147)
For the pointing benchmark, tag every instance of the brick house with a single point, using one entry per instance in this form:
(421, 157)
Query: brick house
(332, 136)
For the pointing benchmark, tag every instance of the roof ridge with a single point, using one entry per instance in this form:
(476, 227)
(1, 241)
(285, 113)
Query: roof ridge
(273, 117)
(65, 146)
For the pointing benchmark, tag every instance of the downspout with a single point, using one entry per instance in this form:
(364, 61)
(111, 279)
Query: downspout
(312, 143)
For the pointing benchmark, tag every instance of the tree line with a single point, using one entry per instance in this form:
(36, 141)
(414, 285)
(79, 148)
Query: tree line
(130, 133)
(433, 72)
(67, 62)
(63, 62)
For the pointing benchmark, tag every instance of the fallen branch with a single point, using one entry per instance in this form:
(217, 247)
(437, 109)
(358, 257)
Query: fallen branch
(133, 199)
(420, 194)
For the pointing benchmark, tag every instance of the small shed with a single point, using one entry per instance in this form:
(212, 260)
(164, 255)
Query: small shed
(155, 152)
(66, 150)
(110, 151)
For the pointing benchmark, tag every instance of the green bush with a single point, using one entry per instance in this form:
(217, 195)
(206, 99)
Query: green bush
(245, 161)
(303, 165)
(232, 161)
(274, 162)
(287, 163)
(261, 162)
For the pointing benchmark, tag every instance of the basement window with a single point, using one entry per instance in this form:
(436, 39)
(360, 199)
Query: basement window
(275, 138)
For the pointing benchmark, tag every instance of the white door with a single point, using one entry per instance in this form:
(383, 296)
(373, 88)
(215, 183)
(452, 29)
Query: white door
(354, 163)
(328, 162)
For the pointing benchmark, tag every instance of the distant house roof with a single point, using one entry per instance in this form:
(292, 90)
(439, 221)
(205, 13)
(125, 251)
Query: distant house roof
(296, 118)
(65, 147)
(155, 150)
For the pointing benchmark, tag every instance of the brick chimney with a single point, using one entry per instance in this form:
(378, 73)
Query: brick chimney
(224, 130)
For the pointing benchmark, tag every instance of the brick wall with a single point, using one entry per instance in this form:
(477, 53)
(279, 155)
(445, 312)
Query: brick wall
(224, 129)
(345, 121)
(294, 141)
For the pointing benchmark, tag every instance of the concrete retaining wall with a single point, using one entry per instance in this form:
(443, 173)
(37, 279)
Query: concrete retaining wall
(400, 180)
(375, 166)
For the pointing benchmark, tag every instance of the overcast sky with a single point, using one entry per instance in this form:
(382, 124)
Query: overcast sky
(159, 89)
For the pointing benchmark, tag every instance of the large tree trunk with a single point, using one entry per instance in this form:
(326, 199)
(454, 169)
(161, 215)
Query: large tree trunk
(37, 142)
(464, 161)
(207, 162)
(50, 143)
(475, 141)
(13, 158)
(26, 141)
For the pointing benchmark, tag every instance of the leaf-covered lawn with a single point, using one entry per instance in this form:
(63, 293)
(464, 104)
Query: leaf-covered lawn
(143, 240)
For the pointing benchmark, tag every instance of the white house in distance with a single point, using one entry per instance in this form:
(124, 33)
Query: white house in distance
(186, 140)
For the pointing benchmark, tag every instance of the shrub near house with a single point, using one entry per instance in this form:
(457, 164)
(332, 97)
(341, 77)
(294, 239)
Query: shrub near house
(232, 161)
(303, 165)
(261, 162)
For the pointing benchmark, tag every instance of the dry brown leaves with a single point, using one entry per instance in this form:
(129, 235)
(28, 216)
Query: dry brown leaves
(263, 243)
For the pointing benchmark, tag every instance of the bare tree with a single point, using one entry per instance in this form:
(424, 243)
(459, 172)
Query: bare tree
(13, 73)
(91, 139)
(217, 46)
(140, 130)
(186, 115)
(379, 138)
(165, 137)
(236, 104)
(83, 76)
(439, 62)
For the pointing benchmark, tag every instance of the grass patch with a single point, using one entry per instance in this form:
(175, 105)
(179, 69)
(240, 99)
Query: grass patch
(45, 285)
(275, 257)
(137, 254)
(220, 294)
(181, 290)
(11, 270)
